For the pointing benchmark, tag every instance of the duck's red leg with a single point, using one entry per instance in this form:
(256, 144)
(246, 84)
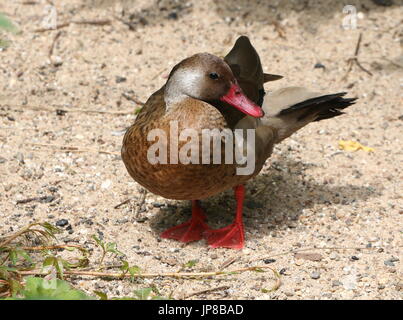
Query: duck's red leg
(233, 235)
(191, 230)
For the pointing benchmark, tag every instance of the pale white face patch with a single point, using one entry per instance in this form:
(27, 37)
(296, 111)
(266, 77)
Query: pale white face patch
(183, 83)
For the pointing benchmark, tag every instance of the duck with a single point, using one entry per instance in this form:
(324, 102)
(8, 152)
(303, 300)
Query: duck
(164, 150)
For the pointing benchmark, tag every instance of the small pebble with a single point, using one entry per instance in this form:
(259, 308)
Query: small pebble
(143, 21)
(60, 112)
(349, 282)
(394, 259)
(120, 79)
(158, 204)
(336, 283)
(289, 293)
(46, 199)
(53, 189)
(315, 275)
(62, 223)
(106, 184)
(169, 260)
(319, 66)
(57, 61)
(20, 157)
(354, 258)
(333, 256)
(389, 263)
(173, 16)
(267, 261)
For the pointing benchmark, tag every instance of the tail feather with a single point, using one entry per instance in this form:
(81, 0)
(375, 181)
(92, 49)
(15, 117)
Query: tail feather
(290, 109)
(334, 111)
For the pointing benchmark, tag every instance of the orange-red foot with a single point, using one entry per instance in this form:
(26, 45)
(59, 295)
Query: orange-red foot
(231, 237)
(191, 230)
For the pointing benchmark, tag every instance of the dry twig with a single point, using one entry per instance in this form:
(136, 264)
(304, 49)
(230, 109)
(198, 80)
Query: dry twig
(228, 262)
(66, 24)
(143, 194)
(63, 148)
(52, 47)
(197, 293)
(178, 275)
(121, 204)
(133, 99)
(53, 247)
(309, 249)
(279, 29)
(17, 234)
(55, 109)
(354, 60)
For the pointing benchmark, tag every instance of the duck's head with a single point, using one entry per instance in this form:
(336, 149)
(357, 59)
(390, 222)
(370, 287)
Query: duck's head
(208, 78)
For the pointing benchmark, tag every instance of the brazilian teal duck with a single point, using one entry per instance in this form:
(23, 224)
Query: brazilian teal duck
(207, 92)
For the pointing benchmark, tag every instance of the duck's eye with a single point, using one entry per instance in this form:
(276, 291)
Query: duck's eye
(213, 76)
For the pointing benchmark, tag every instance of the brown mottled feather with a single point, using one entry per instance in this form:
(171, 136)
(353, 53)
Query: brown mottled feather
(287, 110)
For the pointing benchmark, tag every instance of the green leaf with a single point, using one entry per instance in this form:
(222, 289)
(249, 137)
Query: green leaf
(15, 286)
(13, 257)
(50, 229)
(112, 248)
(24, 254)
(6, 24)
(101, 295)
(134, 270)
(55, 289)
(98, 241)
(143, 294)
(4, 43)
(125, 266)
(59, 267)
(6, 269)
(190, 263)
(49, 261)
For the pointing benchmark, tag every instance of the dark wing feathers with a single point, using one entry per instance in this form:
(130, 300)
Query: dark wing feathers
(326, 106)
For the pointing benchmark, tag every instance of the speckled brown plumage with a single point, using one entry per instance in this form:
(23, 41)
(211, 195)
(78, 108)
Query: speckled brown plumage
(206, 92)
(176, 181)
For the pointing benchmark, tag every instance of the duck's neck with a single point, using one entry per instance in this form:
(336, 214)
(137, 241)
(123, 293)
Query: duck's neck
(172, 95)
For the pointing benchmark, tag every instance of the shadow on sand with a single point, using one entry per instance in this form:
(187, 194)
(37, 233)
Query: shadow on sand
(240, 12)
(275, 198)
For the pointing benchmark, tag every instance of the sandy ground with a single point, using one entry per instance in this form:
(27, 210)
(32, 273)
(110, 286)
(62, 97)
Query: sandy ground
(310, 194)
